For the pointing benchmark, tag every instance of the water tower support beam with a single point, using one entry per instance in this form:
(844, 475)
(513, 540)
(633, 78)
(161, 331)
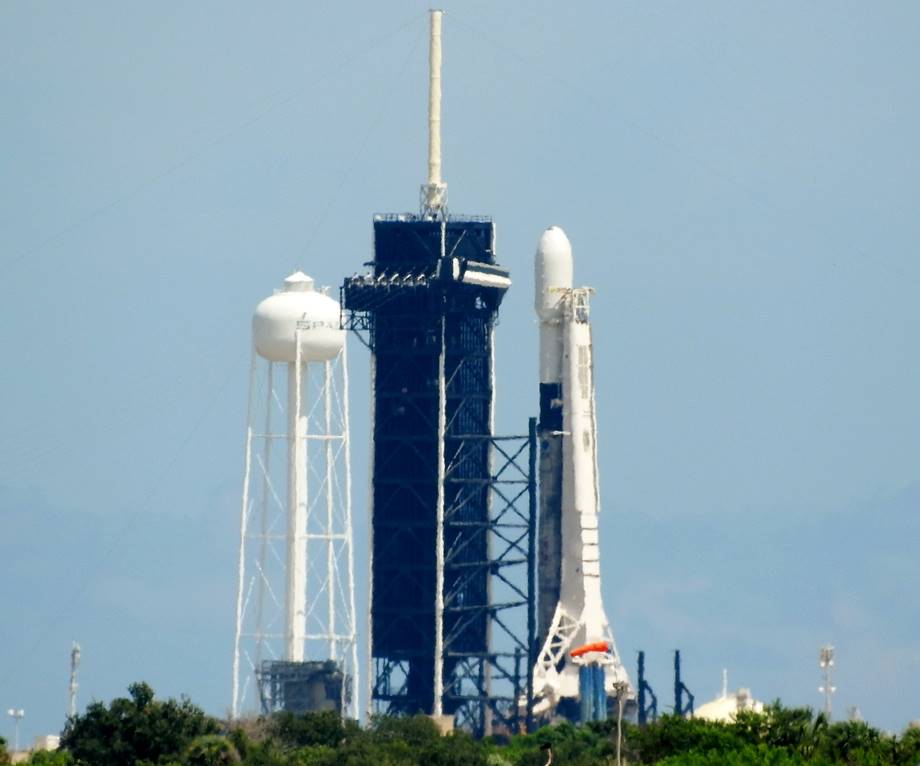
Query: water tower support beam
(297, 508)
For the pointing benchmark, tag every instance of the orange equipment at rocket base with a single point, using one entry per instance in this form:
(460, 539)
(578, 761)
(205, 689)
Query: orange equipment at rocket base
(596, 646)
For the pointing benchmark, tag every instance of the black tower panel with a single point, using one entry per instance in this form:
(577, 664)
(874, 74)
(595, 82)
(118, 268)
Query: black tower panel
(429, 307)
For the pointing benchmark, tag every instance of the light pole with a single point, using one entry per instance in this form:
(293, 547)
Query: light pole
(826, 663)
(17, 715)
(622, 689)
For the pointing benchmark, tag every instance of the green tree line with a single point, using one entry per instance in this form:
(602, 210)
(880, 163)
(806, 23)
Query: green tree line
(140, 730)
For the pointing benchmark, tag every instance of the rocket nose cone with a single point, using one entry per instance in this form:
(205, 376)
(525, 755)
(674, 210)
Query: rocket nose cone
(552, 269)
(554, 243)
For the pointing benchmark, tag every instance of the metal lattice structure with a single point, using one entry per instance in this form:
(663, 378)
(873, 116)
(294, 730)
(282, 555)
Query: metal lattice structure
(490, 691)
(494, 691)
(428, 311)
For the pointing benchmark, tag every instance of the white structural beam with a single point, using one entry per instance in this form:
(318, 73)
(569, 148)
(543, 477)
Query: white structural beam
(241, 563)
(350, 620)
(330, 506)
(296, 593)
(438, 707)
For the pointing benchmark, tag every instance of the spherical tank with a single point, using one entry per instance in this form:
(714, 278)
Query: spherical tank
(297, 304)
(552, 269)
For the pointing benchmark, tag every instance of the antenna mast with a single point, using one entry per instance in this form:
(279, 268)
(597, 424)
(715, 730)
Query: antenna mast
(74, 664)
(434, 193)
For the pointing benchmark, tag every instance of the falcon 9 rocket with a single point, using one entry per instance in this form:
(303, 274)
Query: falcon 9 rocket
(571, 610)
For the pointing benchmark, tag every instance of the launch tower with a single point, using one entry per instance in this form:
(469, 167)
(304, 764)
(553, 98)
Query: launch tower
(427, 310)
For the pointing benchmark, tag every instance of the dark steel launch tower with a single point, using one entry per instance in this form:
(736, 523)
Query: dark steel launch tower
(452, 505)
(429, 307)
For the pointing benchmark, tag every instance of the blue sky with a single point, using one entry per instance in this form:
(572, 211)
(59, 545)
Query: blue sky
(739, 182)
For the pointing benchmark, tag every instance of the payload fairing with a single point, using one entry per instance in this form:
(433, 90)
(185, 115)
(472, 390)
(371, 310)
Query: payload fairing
(571, 609)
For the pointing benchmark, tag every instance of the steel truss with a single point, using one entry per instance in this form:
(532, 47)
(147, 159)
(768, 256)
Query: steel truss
(297, 446)
(487, 691)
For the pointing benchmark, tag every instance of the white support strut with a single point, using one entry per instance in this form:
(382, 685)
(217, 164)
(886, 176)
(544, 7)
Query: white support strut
(438, 708)
(369, 625)
(297, 509)
(244, 518)
(330, 524)
(351, 619)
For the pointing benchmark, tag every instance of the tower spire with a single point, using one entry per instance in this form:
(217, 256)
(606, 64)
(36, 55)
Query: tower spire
(434, 193)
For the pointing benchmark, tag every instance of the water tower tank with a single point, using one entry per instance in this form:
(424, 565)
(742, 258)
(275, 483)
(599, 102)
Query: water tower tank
(298, 304)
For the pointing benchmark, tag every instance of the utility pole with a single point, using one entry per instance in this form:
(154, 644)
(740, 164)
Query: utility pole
(74, 664)
(622, 690)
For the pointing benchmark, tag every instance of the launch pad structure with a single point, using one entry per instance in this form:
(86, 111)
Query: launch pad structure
(452, 504)
(453, 629)
(444, 536)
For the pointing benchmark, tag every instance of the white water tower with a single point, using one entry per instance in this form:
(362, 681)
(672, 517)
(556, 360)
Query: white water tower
(295, 643)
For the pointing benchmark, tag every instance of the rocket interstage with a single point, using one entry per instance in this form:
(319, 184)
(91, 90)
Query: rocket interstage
(571, 609)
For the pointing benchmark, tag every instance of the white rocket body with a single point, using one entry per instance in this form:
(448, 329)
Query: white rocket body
(553, 276)
(553, 279)
(569, 509)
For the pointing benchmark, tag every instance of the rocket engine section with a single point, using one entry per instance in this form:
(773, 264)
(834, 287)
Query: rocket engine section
(571, 609)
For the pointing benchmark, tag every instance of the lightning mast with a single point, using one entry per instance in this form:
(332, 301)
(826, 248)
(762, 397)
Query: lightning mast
(442, 533)
(434, 193)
